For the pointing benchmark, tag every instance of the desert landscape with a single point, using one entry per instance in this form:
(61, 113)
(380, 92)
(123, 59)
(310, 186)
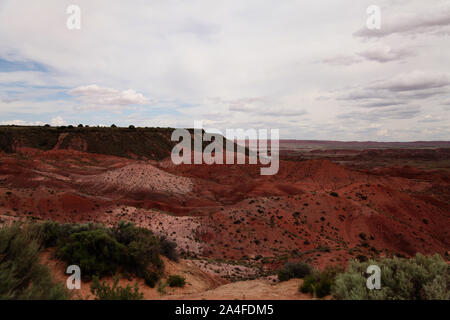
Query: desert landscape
(330, 203)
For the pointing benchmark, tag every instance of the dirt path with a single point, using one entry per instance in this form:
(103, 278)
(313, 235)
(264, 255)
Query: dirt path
(250, 290)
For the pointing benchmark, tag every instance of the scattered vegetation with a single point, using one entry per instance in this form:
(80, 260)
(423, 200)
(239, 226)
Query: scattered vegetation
(168, 249)
(176, 281)
(21, 274)
(151, 278)
(94, 251)
(334, 194)
(101, 251)
(420, 278)
(294, 270)
(151, 143)
(361, 258)
(103, 291)
(319, 283)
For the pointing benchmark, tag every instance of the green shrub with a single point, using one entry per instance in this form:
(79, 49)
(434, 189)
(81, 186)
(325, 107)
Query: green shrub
(361, 258)
(103, 291)
(49, 233)
(126, 232)
(21, 274)
(334, 194)
(323, 288)
(176, 281)
(95, 252)
(294, 270)
(143, 248)
(319, 283)
(420, 278)
(308, 284)
(151, 278)
(104, 251)
(52, 234)
(168, 249)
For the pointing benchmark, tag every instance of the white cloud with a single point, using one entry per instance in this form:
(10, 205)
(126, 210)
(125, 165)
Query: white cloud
(21, 123)
(383, 133)
(57, 121)
(94, 95)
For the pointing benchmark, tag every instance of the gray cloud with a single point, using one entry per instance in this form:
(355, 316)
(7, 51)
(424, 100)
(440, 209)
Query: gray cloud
(423, 22)
(396, 113)
(289, 112)
(382, 103)
(385, 54)
(396, 98)
(360, 94)
(263, 107)
(377, 97)
(381, 54)
(9, 100)
(422, 94)
(431, 119)
(417, 80)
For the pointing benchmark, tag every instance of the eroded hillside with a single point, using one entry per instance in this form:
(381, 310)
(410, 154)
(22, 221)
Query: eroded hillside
(229, 221)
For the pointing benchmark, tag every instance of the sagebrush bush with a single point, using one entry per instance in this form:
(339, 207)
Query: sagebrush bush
(151, 278)
(419, 278)
(103, 291)
(176, 281)
(95, 252)
(323, 287)
(142, 248)
(294, 270)
(21, 274)
(104, 251)
(52, 234)
(308, 284)
(361, 257)
(101, 251)
(319, 283)
(168, 249)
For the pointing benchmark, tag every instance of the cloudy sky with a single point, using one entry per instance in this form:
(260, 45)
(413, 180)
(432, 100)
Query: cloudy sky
(310, 68)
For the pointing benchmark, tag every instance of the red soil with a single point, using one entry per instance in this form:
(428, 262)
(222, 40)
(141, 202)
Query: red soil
(313, 210)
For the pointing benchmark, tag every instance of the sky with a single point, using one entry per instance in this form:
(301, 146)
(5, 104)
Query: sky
(312, 69)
